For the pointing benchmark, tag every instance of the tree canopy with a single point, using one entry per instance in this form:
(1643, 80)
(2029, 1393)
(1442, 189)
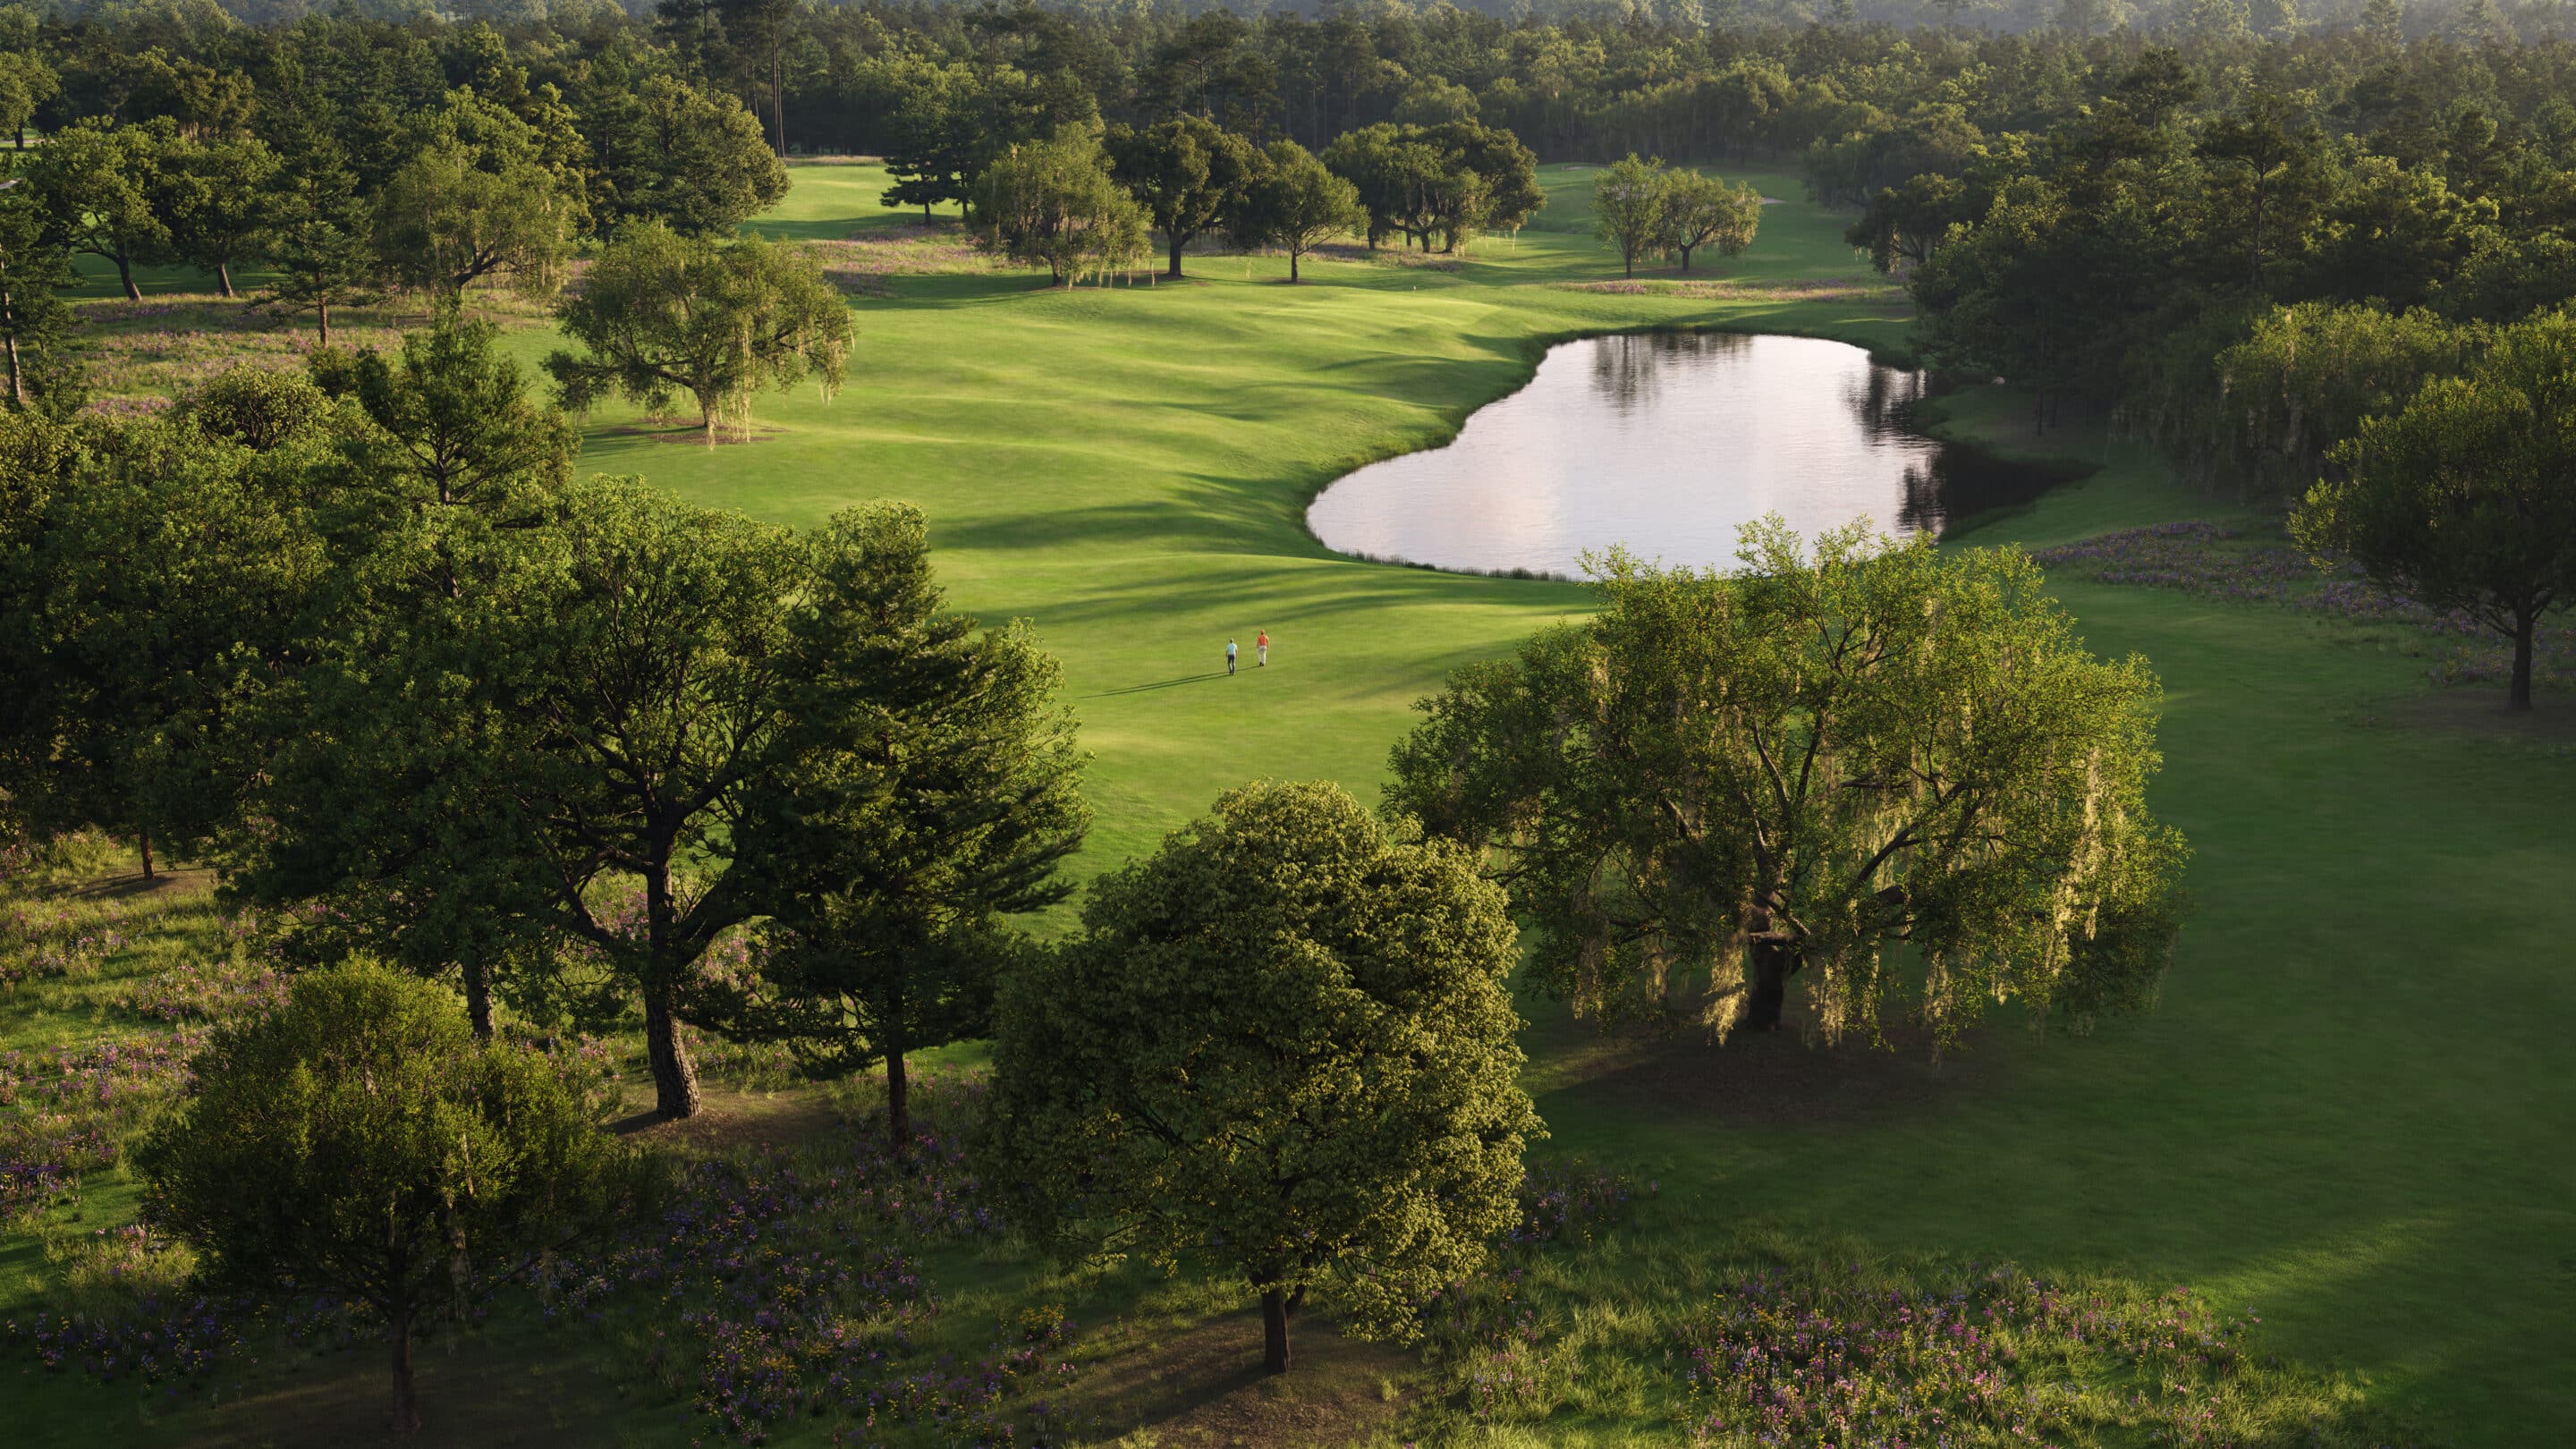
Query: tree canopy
(935, 797)
(2466, 497)
(662, 314)
(1187, 174)
(360, 1140)
(1885, 768)
(1281, 1048)
(1296, 203)
(1053, 203)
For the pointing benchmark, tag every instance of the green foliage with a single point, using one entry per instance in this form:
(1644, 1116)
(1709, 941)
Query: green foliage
(935, 794)
(2304, 379)
(375, 803)
(360, 1140)
(1282, 1049)
(1187, 174)
(95, 183)
(215, 200)
(26, 82)
(1053, 204)
(1702, 211)
(1451, 181)
(168, 589)
(1647, 208)
(1296, 204)
(319, 240)
(946, 122)
(1628, 207)
(691, 160)
(2466, 498)
(662, 314)
(1893, 769)
(463, 430)
(630, 668)
(258, 409)
(34, 322)
(476, 199)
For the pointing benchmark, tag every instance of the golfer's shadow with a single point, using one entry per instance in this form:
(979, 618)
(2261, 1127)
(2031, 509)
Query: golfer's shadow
(1165, 684)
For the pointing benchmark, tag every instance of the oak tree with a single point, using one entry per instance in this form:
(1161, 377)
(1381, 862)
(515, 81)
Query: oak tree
(1281, 1048)
(1704, 212)
(35, 322)
(1188, 174)
(1295, 204)
(215, 200)
(1052, 203)
(1628, 200)
(633, 662)
(2466, 498)
(96, 183)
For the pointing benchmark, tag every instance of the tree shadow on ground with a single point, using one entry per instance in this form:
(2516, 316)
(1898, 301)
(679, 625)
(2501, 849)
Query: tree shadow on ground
(2478, 710)
(1202, 1384)
(124, 884)
(728, 1119)
(1785, 1078)
(1159, 684)
(487, 1392)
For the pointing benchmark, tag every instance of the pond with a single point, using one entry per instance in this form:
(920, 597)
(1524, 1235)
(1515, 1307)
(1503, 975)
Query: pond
(1668, 442)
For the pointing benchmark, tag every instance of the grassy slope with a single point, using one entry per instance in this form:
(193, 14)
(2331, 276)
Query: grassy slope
(2343, 1113)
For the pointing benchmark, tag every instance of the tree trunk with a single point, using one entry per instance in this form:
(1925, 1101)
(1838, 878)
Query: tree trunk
(125, 274)
(17, 389)
(675, 1077)
(1769, 989)
(1292, 281)
(1175, 272)
(323, 312)
(406, 1403)
(478, 999)
(143, 839)
(1274, 1331)
(2518, 694)
(898, 1101)
(1686, 251)
(223, 279)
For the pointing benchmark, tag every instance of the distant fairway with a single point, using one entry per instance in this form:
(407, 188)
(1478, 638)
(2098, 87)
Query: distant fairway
(2351, 1110)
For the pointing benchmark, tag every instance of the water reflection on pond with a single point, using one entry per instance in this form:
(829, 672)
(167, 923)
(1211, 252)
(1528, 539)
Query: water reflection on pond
(1667, 442)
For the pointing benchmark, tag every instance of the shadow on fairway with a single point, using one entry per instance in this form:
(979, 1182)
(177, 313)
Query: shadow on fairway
(1163, 684)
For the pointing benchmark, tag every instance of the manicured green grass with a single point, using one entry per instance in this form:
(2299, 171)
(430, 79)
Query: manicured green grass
(1129, 468)
(2348, 1112)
